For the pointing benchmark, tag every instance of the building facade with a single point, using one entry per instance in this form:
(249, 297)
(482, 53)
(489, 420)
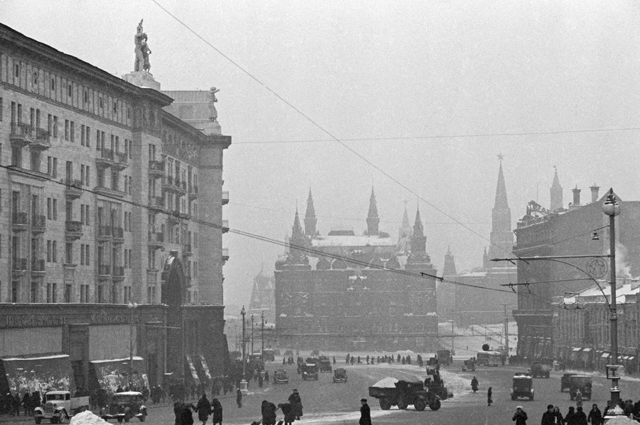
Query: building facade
(347, 291)
(98, 183)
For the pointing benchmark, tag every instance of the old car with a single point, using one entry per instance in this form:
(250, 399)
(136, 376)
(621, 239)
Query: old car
(126, 405)
(309, 371)
(541, 369)
(325, 365)
(469, 366)
(391, 392)
(57, 406)
(582, 383)
(340, 376)
(522, 386)
(280, 377)
(565, 381)
(444, 357)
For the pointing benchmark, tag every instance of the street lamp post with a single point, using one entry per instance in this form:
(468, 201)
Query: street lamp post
(252, 334)
(611, 207)
(132, 306)
(243, 381)
(262, 337)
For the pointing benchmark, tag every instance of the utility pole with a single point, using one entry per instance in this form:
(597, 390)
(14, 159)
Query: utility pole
(453, 349)
(262, 338)
(252, 334)
(506, 332)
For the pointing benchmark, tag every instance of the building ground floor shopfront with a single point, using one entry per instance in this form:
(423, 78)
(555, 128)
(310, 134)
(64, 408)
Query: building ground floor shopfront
(90, 346)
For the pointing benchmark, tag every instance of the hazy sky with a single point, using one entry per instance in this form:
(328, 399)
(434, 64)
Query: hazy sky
(396, 72)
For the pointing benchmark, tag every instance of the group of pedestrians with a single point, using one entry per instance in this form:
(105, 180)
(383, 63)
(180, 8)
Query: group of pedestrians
(575, 416)
(292, 410)
(204, 409)
(11, 404)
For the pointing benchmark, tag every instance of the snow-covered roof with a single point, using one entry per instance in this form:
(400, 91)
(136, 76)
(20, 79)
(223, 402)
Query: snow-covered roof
(57, 356)
(128, 393)
(597, 293)
(116, 360)
(355, 241)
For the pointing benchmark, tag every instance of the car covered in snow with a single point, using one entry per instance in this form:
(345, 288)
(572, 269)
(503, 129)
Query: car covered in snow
(124, 406)
(280, 377)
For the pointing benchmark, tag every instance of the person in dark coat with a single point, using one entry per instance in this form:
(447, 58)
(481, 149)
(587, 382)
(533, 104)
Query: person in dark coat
(204, 409)
(239, 398)
(581, 417)
(549, 417)
(489, 395)
(520, 417)
(365, 413)
(570, 419)
(268, 411)
(287, 411)
(558, 415)
(216, 407)
(186, 416)
(296, 403)
(595, 416)
(15, 406)
(26, 403)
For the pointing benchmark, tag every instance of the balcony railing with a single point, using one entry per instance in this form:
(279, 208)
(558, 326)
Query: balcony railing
(104, 269)
(117, 232)
(38, 223)
(156, 239)
(73, 229)
(105, 157)
(104, 232)
(225, 197)
(42, 140)
(156, 203)
(156, 168)
(21, 134)
(112, 192)
(193, 191)
(225, 226)
(73, 188)
(118, 271)
(19, 264)
(186, 250)
(121, 160)
(225, 254)
(20, 218)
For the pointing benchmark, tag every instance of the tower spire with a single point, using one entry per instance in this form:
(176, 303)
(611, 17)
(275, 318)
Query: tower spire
(372, 218)
(418, 239)
(501, 190)
(310, 219)
(501, 235)
(556, 192)
(296, 242)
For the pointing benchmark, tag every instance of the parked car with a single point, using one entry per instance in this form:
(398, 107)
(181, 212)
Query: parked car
(125, 406)
(57, 406)
(325, 365)
(309, 371)
(522, 386)
(340, 376)
(541, 369)
(469, 366)
(565, 381)
(582, 383)
(280, 377)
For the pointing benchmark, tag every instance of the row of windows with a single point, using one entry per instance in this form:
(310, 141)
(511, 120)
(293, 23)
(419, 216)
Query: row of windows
(49, 293)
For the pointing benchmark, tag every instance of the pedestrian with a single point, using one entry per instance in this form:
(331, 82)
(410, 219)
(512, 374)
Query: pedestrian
(520, 417)
(489, 394)
(239, 398)
(549, 417)
(365, 413)
(204, 409)
(186, 415)
(296, 404)
(216, 407)
(266, 376)
(595, 416)
(558, 415)
(287, 411)
(268, 410)
(570, 418)
(16, 405)
(260, 381)
(580, 417)
(578, 398)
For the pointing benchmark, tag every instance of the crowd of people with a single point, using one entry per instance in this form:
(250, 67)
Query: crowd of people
(12, 404)
(577, 416)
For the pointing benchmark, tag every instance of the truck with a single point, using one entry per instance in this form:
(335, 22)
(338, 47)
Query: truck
(522, 387)
(391, 392)
(58, 406)
(444, 357)
(541, 369)
(582, 383)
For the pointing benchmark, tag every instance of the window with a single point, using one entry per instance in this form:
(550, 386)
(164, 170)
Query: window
(115, 107)
(73, 131)
(88, 137)
(55, 209)
(55, 168)
(67, 293)
(55, 126)
(87, 255)
(52, 84)
(54, 252)
(82, 134)
(16, 71)
(82, 254)
(49, 216)
(84, 293)
(66, 130)
(1, 109)
(69, 253)
(34, 291)
(35, 78)
(97, 140)
(82, 173)
(152, 259)
(49, 123)
(86, 96)
(48, 251)
(101, 102)
(69, 91)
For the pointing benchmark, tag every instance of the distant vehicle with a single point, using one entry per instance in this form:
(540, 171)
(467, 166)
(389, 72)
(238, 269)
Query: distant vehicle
(444, 357)
(280, 377)
(522, 386)
(436, 386)
(125, 406)
(325, 366)
(469, 366)
(489, 358)
(565, 381)
(403, 394)
(309, 371)
(582, 383)
(541, 369)
(340, 376)
(57, 406)
(268, 355)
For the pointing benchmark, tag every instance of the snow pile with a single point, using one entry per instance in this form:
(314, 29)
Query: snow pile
(87, 418)
(621, 420)
(387, 382)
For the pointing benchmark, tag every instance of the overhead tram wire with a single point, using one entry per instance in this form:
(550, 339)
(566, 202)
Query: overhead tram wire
(324, 130)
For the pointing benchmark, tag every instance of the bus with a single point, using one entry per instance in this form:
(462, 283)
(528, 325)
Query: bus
(489, 358)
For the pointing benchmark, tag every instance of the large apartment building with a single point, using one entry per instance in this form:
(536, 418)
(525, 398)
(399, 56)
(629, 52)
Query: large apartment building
(98, 184)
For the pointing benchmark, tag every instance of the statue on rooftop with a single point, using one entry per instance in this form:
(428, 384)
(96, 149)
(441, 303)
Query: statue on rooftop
(212, 104)
(141, 50)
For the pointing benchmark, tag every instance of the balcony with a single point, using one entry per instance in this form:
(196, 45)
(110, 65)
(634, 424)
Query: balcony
(225, 197)
(156, 168)
(38, 223)
(193, 192)
(73, 188)
(104, 271)
(42, 140)
(186, 250)
(173, 185)
(118, 235)
(156, 203)
(19, 265)
(121, 160)
(109, 192)
(37, 267)
(73, 230)
(118, 273)
(21, 134)
(19, 221)
(174, 216)
(225, 226)
(225, 254)
(156, 240)
(17, 169)
(105, 158)
(104, 233)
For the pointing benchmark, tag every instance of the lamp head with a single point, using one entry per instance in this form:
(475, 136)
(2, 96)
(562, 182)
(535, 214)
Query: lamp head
(243, 312)
(611, 206)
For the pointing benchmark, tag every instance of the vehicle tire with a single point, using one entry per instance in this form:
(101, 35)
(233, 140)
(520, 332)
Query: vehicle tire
(62, 418)
(435, 405)
(513, 397)
(420, 405)
(548, 375)
(38, 420)
(119, 420)
(385, 404)
(142, 418)
(531, 397)
(54, 419)
(402, 405)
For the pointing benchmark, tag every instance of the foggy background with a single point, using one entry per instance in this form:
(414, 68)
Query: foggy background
(432, 90)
